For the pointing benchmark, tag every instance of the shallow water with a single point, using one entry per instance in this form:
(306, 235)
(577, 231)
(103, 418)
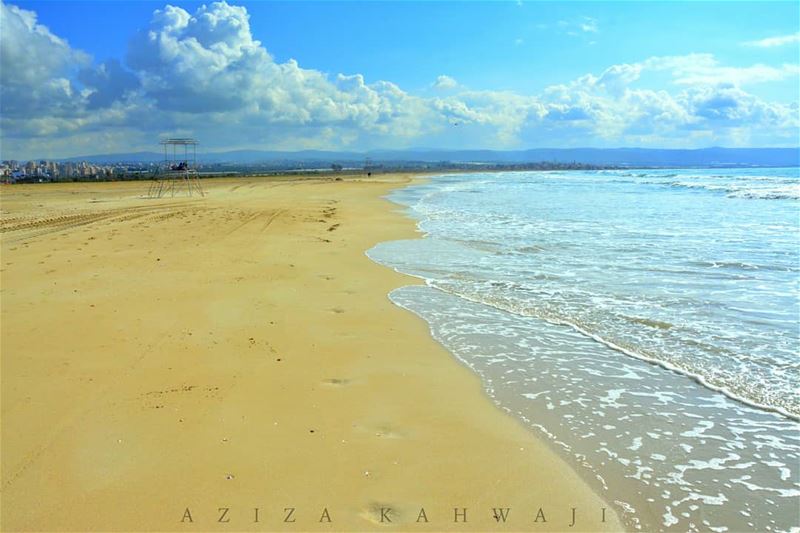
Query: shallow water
(561, 289)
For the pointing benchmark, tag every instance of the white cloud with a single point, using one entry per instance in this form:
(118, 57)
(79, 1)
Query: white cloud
(616, 77)
(609, 107)
(209, 62)
(588, 25)
(35, 67)
(577, 28)
(771, 42)
(445, 83)
(704, 69)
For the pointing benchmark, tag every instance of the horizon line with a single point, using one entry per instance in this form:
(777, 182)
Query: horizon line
(420, 149)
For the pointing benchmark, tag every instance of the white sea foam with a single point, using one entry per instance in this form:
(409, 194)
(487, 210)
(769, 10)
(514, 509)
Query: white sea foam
(689, 334)
(562, 290)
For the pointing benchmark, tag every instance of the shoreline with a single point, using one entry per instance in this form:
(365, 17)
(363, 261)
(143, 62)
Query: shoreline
(240, 352)
(647, 438)
(698, 378)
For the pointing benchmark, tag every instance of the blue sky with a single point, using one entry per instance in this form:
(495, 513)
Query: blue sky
(110, 76)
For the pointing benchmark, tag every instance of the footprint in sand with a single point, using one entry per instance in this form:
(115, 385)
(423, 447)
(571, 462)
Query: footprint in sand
(380, 513)
(336, 382)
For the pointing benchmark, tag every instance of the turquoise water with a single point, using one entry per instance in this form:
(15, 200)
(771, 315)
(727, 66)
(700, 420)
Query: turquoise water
(646, 322)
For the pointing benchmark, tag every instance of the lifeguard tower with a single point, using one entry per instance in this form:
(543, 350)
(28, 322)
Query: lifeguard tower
(179, 171)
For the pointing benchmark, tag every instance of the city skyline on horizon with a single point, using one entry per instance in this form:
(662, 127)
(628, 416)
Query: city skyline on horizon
(81, 78)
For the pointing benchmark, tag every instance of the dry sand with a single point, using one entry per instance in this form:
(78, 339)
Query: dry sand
(239, 351)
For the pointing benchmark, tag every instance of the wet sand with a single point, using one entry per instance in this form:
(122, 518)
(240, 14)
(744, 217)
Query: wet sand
(165, 360)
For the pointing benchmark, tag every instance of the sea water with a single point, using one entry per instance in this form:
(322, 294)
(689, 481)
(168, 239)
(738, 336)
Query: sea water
(645, 322)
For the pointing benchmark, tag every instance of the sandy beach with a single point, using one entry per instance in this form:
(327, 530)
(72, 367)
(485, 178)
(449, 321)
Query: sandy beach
(233, 363)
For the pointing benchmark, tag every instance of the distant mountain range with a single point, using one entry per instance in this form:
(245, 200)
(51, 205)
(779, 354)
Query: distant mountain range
(594, 156)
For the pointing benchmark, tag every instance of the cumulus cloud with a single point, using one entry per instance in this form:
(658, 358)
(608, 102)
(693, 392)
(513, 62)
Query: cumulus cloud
(35, 67)
(204, 74)
(205, 62)
(209, 62)
(730, 105)
(610, 107)
(445, 83)
(771, 42)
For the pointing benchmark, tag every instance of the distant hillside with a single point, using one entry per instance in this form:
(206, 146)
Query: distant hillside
(595, 156)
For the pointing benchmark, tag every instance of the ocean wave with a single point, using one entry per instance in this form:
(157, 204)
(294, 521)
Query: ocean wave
(789, 192)
(591, 303)
(792, 412)
(715, 304)
(780, 189)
